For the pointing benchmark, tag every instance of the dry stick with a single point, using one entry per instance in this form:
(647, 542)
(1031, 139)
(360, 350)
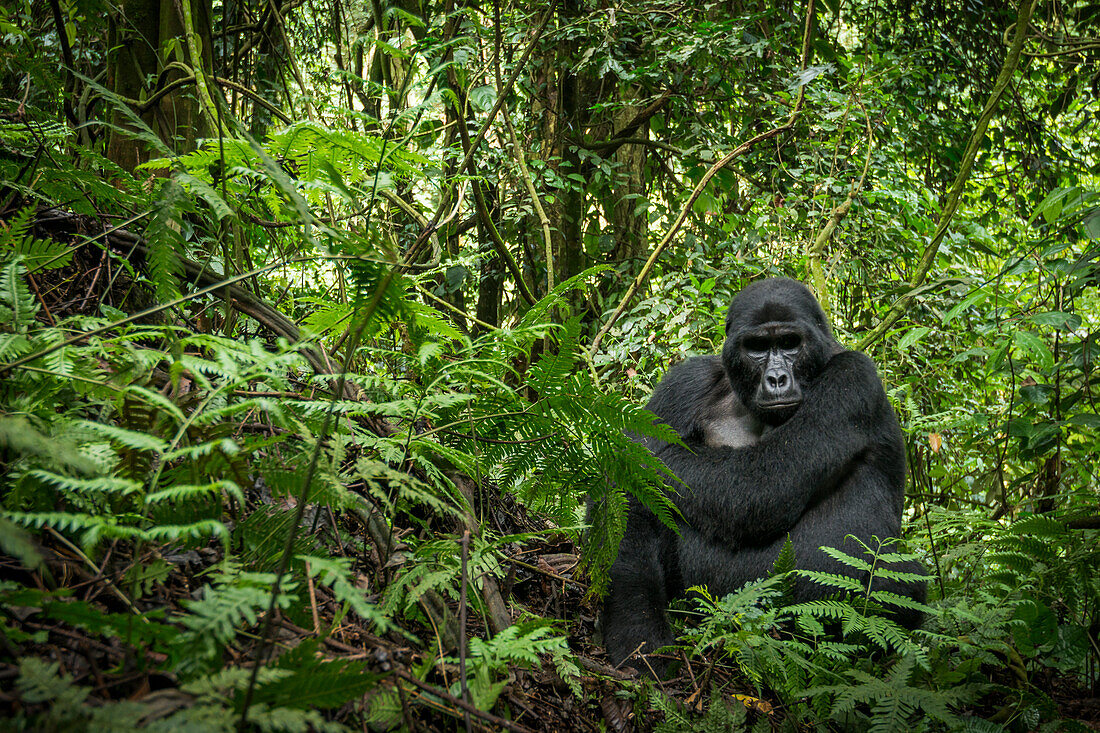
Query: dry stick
(462, 629)
(951, 204)
(817, 249)
(458, 702)
(521, 161)
(414, 250)
(698, 190)
(544, 220)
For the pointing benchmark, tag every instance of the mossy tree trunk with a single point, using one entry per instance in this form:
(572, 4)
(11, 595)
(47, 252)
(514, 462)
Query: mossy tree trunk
(145, 37)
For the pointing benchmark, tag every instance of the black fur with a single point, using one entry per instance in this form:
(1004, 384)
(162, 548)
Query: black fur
(830, 465)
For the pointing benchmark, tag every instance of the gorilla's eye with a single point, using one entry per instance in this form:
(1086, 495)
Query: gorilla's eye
(755, 344)
(789, 342)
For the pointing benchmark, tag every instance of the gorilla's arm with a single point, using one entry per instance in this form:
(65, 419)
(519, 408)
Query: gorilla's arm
(747, 496)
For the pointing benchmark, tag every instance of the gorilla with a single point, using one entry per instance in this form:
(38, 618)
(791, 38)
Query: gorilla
(786, 434)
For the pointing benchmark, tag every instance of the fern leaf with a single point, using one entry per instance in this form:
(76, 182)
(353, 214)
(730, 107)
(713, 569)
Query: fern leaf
(335, 573)
(16, 542)
(206, 192)
(135, 439)
(17, 306)
(165, 244)
(846, 559)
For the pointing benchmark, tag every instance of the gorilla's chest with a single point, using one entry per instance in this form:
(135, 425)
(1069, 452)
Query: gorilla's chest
(728, 423)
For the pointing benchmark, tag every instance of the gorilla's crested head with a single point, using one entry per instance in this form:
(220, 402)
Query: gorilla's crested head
(777, 341)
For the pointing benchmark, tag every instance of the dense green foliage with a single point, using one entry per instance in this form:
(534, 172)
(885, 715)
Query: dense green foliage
(323, 329)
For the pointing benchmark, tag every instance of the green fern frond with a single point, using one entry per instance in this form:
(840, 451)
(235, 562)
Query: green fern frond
(554, 369)
(199, 530)
(14, 541)
(17, 305)
(155, 400)
(41, 682)
(894, 702)
(226, 413)
(56, 451)
(37, 254)
(164, 242)
(895, 600)
(101, 485)
(225, 446)
(12, 345)
(182, 492)
(536, 314)
(233, 601)
(846, 559)
(90, 528)
(17, 228)
(133, 439)
(1039, 525)
(218, 207)
(433, 323)
(326, 318)
(291, 720)
(336, 574)
(833, 580)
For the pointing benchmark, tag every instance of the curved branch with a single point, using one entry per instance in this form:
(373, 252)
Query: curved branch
(164, 91)
(740, 150)
(626, 134)
(255, 97)
(817, 249)
(951, 203)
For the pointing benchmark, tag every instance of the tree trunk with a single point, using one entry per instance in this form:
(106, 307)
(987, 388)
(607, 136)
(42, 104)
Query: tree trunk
(144, 36)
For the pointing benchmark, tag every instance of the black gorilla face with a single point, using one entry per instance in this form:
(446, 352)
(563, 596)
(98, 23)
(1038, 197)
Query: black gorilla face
(777, 341)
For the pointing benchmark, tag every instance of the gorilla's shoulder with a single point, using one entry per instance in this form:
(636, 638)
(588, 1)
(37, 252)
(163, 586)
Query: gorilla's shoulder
(856, 365)
(856, 377)
(687, 390)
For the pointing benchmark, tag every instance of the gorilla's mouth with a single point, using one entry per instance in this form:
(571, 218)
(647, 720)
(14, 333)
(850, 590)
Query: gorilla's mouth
(776, 406)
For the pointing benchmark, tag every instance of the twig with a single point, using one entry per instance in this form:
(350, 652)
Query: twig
(547, 573)
(691, 673)
(414, 250)
(951, 203)
(455, 309)
(99, 572)
(313, 602)
(448, 697)
(462, 628)
(638, 281)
